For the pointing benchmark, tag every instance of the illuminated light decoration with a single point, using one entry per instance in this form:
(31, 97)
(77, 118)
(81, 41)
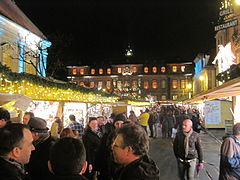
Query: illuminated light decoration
(138, 103)
(126, 71)
(237, 2)
(38, 88)
(225, 58)
(129, 51)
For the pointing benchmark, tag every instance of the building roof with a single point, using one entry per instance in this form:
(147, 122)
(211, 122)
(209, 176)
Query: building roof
(9, 9)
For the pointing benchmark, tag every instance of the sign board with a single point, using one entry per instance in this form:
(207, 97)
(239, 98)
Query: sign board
(226, 25)
(212, 112)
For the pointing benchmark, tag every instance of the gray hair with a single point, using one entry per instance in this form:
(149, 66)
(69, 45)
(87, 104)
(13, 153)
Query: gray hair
(236, 129)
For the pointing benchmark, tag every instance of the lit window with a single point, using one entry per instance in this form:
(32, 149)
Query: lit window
(146, 85)
(134, 69)
(100, 84)
(163, 97)
(183, 68)
(74, 71)
(183, 84)
(174, 69)
(154, 69)
(108, 85)
(119, 85)
(109, 70)
(91, 84)
(174, 84)
(134, 84)
(101, 71)
(163, 83)
(174, 97)
(82, 71)
(154, 84)
(92, 71)
(145, 69)
(119, 70)
(163, 69)
(81, 83)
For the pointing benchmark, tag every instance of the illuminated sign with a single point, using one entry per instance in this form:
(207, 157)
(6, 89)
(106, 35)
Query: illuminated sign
(226, 12)
(226, 25)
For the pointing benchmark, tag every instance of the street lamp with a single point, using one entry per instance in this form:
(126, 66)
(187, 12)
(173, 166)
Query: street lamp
(189, 86)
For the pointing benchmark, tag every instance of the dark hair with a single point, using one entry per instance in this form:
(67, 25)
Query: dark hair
(135, 137)
(29, 113)
(236, 129)
(66, 132)
(4, 114)
(72, 117)
(67, 156)
(11, 136)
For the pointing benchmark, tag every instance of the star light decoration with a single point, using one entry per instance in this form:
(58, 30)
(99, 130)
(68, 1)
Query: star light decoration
(45, 93)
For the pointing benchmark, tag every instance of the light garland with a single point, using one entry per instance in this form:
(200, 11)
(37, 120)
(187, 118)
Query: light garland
(138, 103)
(46, 93)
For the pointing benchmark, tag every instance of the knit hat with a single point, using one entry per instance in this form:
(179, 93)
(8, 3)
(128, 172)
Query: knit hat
(120, 117)
(38, 125)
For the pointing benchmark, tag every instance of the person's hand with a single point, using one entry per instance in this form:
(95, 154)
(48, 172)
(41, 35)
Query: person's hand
(90, 168)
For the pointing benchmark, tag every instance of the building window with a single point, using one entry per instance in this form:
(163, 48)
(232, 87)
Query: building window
(109, 71)
(154, 84)
(164, 97)
(174, 97)
(145, 69)
(92, 71)
(183, 84)
(101, 71)
(183, 68)
(82, 71)
(154, 69)
(174, 84)
(108, 85)
(134, 69)
(91, 84)
(146, 85)
(100, 84)
(74, 71)
(119, 85)
(163, 84)
(134, 85)
(119, 70)
(81, 83)
(174, 68)
(163, 69)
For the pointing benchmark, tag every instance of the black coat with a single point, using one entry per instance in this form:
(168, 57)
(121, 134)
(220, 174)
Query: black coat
(91, 142)
(38, 164)
(143, 168)
(69, 177)
(10, 171)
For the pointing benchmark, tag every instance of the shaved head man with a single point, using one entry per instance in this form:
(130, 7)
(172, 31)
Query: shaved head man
(188, 150)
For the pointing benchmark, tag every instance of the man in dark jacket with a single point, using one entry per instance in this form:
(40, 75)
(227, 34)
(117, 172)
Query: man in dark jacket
(130, 148)
(15, 150)
(187, 149)
(68, 159)
(37, 166)
(230, 156)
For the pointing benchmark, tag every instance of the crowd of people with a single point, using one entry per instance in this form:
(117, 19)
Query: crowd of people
(114, 148)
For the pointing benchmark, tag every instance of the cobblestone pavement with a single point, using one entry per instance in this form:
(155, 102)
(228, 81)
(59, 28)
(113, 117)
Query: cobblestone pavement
(162, 153)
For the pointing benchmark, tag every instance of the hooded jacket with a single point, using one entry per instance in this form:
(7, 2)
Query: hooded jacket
(230, 159)
(143, 168)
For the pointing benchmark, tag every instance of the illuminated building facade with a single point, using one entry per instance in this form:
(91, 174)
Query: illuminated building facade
(166, 82)
(23, 47)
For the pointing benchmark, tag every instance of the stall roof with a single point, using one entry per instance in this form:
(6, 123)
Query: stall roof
(230, 88)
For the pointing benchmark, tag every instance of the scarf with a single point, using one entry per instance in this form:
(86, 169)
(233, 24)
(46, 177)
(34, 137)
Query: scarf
(16, 164)
(186, 141)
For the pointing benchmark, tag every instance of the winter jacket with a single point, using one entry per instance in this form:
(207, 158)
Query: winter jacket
(230, 159)
(69, 177)
(143, 118)
(194, 149)
(38, 164)
(11, 170)
(143, 168)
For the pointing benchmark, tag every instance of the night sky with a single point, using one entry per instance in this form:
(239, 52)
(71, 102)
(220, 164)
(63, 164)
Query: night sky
(98, 30)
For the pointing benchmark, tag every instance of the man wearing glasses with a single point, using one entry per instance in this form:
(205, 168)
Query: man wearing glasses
(130, 148)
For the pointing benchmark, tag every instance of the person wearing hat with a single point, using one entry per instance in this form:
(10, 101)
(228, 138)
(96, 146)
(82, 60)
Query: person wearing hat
(104, 161)
(38, 164)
